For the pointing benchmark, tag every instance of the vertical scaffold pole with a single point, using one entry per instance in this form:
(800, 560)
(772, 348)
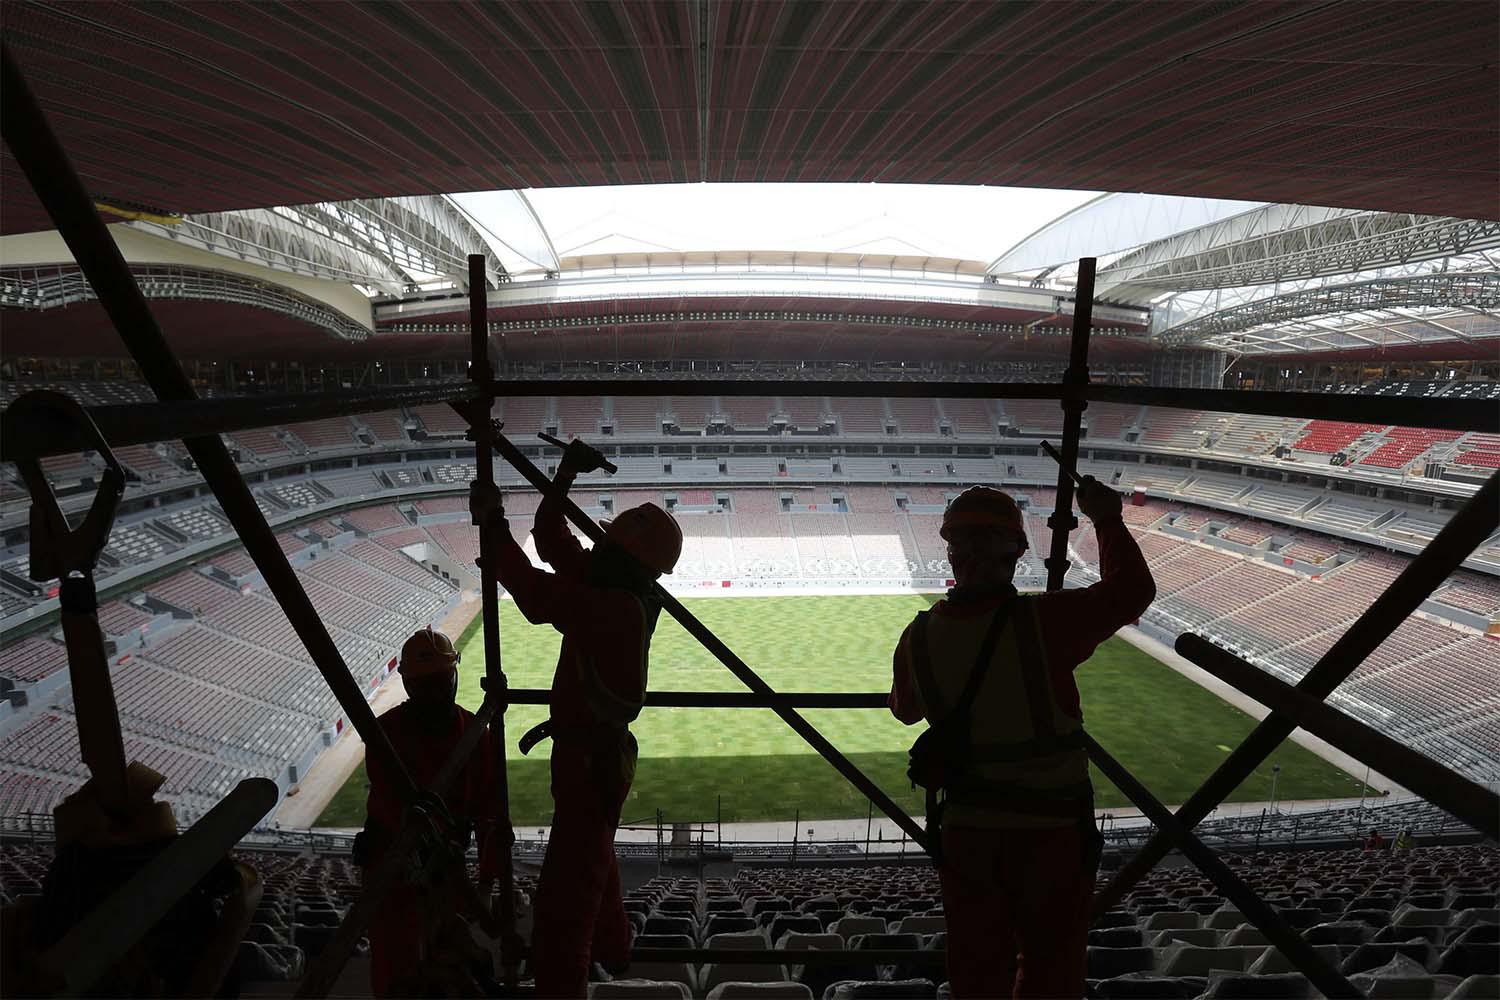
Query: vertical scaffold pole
(60, 190)
(1075, 379)
(482, 430)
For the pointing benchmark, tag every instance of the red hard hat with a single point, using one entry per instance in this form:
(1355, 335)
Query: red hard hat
(427, 653)
(982, 506)
(648, 533)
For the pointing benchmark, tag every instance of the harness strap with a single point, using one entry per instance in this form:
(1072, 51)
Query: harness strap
(922, 663)
(1034, 675)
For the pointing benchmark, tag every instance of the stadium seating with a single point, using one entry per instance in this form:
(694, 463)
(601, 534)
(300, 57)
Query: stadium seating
(1403, 446)
(860, 416)
(323, 435)
(1479, 450)
(1328, 436)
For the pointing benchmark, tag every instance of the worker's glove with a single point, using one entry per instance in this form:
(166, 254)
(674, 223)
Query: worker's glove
(579, 458)
(485, 503)
(1097, 501)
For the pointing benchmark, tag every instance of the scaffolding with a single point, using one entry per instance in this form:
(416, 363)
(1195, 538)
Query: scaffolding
(122, 918)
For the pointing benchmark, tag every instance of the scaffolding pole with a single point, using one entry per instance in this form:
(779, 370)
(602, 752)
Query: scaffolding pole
(1075, 380)
(488, 516)
(1280, 933)
(143, 423)
(1467, 800)
(721, 652)
(35, 147)
(1474, 522)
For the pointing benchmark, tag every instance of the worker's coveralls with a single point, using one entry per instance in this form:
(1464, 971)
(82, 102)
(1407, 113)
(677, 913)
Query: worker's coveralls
(1016, 874)
(398, 934)
(580, 914)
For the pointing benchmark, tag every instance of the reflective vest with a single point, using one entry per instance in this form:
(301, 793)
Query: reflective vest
(1028, 766)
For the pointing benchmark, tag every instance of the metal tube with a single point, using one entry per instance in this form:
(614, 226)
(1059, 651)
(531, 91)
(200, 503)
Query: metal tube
(1281, 934)
(723, 653)
(1075, 379)
(728, 699)
(1449, 414)
(1473, 523)
(106, 932)
(816, 956)
(324, 971)
(71, 209)
(1469, 801)
(482, 431)
(141, 423)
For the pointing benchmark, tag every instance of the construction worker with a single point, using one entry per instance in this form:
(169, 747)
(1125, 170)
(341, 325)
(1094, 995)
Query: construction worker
(1018, 848)
(603, 602)
(414, 930)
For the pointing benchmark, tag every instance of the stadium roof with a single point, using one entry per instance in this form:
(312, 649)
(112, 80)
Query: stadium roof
(192, 108)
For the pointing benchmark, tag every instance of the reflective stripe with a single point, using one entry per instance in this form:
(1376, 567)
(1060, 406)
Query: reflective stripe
(1041, 773)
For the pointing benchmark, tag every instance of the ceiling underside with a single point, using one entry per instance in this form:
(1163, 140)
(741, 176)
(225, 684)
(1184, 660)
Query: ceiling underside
(209, 107)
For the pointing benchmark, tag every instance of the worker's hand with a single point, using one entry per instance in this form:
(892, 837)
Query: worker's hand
(579, 458)
(1097, 501)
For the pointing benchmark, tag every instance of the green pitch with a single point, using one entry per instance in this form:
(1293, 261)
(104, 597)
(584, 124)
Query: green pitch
(1166, 729)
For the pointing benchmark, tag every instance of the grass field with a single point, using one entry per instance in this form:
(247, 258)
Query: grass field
(1165, 728)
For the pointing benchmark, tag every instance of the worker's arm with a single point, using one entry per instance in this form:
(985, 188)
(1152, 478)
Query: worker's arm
(1075, 622)
(555, 544)
(903, 700)
(544, 598)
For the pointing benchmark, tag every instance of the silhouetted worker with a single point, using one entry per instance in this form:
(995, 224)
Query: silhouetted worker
(1019, 848)
(603, 603)
(1374, 842)
(1405, 841)
(405, 939)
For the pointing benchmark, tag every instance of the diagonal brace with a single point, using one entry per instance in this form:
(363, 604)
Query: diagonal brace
(1442, 786)
(1473, 523)
(1280, 933)
(723, 653)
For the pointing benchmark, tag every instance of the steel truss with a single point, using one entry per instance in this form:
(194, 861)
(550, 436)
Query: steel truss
(1231, 329)
(1277, 243)
(46, 166)
(394, 245)
(52, 287)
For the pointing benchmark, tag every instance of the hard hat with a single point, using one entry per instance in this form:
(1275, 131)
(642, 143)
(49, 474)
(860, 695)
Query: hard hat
(648, 533)
(427, 653)
(981, 506)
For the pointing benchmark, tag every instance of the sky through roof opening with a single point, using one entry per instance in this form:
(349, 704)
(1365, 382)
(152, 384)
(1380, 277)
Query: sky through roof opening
(951, 221)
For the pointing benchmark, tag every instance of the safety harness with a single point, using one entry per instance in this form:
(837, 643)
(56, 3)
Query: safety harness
(613, 714)
(947, 761)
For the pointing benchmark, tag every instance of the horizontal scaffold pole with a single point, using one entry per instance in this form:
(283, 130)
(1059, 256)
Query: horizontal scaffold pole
(729, 699)
(721, 652)
(143, 423)
(1442, 786)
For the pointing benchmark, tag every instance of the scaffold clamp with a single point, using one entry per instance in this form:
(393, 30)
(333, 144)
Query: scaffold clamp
(58, 550)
